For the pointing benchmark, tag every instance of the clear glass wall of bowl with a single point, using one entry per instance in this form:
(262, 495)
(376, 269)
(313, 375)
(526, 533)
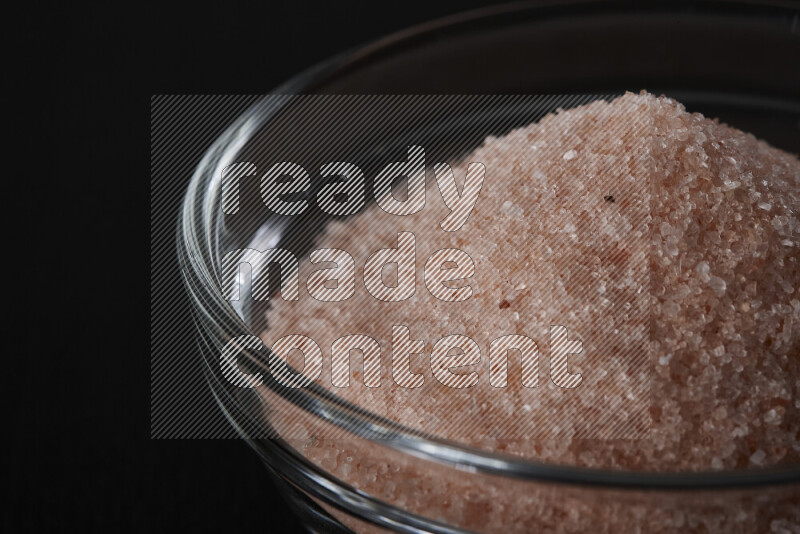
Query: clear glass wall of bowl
(596, 48)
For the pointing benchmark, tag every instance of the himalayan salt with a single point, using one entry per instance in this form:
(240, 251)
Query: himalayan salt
(725, 310)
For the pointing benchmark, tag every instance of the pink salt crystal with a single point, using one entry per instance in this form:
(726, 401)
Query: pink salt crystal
(758, 457)
(724, 217)
(773, 417)
(718, 285)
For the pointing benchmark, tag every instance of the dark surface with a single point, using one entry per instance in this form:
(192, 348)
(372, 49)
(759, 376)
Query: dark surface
(81, 456)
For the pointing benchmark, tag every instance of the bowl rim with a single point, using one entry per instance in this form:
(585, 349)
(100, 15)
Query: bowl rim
(196, 242)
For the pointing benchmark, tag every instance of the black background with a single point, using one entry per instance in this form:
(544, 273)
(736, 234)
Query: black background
(80, 455)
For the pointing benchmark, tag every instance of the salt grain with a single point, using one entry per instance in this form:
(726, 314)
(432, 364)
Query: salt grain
(758, 457)
(718, 285)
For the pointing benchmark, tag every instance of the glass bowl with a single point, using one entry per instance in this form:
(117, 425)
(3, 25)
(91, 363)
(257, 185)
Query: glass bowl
(726, 60)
